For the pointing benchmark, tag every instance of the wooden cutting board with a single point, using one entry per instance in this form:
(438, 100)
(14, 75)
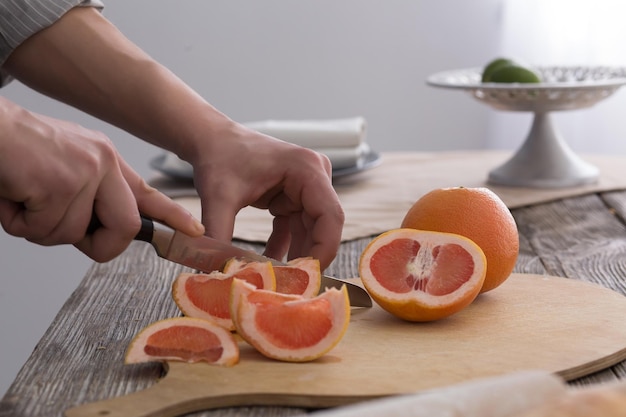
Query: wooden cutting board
(560, 325)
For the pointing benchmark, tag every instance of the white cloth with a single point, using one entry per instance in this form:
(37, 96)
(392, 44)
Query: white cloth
(315, 134)
(341, 140)
(339, 157)
(345, 157)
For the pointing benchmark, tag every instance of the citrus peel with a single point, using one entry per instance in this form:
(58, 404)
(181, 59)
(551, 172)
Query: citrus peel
(206, 295)
(422, 275)
(289, 327)
(301, 276)
(183, 339)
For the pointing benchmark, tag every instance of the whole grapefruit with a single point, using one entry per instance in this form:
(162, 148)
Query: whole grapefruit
(476, 213)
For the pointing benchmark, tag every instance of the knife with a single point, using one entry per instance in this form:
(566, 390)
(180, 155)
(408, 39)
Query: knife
(207, 254)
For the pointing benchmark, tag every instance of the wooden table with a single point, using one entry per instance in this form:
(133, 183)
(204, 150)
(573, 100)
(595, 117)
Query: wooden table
(80, 357)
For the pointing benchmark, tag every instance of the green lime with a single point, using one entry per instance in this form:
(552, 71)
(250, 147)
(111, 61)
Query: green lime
(493, 66)
(514, 74)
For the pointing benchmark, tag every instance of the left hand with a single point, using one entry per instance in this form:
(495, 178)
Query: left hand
(294, 183)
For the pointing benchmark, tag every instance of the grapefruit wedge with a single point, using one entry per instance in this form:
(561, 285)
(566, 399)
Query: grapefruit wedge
(421, 275)
(301, 276)
(183, 339)
(289, 327)
(206, 296)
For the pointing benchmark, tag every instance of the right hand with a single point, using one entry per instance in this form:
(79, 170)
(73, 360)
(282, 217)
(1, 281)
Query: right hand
(54, 174)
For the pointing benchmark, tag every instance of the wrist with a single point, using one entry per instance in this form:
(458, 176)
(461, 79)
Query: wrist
(208, 136)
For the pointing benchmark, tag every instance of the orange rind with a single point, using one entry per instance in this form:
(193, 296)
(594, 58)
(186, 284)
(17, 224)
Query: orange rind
(206, 296)
(183, 339)
(420, 275)
(289, 327)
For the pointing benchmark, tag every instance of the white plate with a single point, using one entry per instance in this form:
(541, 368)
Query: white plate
(183, 171)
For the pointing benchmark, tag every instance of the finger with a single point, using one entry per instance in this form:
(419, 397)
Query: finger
(315, 222)
(219, 207)
(326, 237)
(301, 240)
(44, 227)
(71, 227)
(323, 220)
(279, 240)
(32, 221)
(158, 206)
(218, 218)
(116, 208)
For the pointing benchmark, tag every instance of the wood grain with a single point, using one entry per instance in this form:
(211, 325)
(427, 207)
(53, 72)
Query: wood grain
(79, 359)
(519, 326)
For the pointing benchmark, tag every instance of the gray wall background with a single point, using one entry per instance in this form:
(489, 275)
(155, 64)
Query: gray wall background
(281, 59)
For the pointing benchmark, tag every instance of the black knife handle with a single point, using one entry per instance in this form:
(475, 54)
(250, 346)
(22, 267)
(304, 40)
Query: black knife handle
(145, 233)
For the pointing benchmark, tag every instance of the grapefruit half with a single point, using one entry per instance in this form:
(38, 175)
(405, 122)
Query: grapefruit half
(421, 275)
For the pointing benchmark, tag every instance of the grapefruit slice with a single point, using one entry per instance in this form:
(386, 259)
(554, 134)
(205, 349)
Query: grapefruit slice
(206, 296)
(290, 327)
(183, 339)
(300, 276)
(421, 275)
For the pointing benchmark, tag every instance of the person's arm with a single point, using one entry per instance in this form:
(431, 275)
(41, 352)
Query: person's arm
(85, 61)
(90, 65)
(20, 19)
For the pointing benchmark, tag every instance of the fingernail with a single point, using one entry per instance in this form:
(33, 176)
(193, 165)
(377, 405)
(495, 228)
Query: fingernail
(197, 225)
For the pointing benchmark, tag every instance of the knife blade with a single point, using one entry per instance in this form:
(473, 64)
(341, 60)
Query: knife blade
(207, 254)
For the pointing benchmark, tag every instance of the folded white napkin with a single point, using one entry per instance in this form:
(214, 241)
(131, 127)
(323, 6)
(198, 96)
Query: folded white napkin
(346, 157)
(315, 134)
(341, 140)
(339, 157)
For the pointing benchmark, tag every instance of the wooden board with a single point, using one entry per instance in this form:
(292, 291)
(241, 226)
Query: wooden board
(564, 326)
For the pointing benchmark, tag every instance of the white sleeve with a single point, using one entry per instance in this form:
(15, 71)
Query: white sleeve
(20, 19)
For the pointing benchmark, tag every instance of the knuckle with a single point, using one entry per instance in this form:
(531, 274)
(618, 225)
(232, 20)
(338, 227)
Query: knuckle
(143, 191)
(105, 152)
(97, 157)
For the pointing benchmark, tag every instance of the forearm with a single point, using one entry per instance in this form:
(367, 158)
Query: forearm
(84, 61)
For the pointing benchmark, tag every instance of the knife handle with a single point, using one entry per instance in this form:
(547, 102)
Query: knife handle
(145, 234)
